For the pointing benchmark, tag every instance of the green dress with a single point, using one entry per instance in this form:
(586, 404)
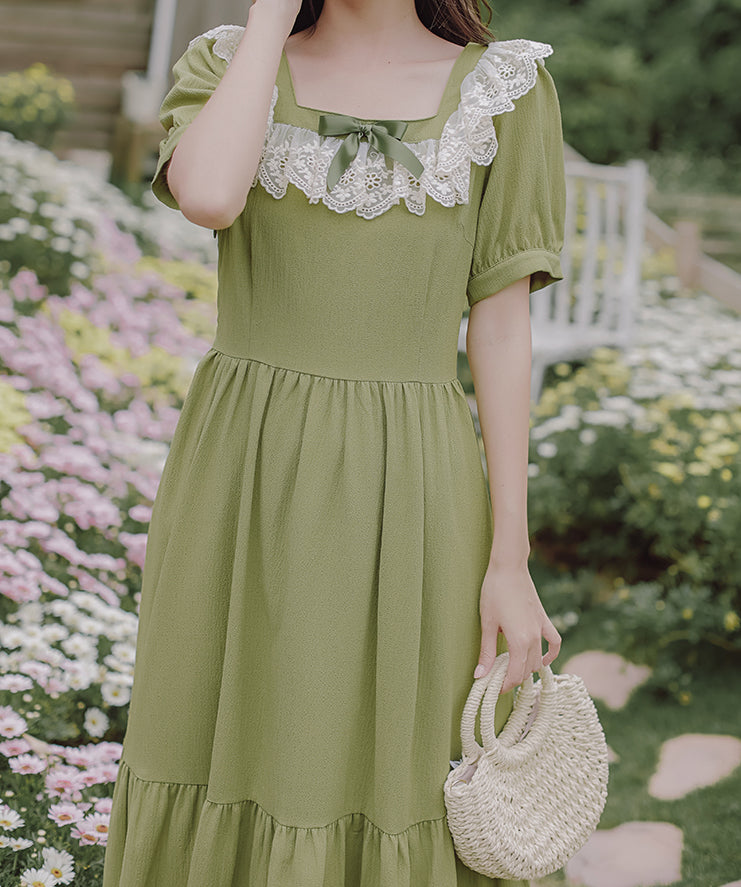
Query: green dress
(309, 617)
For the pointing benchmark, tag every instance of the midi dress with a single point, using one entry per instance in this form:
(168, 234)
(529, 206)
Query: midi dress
(309, 615)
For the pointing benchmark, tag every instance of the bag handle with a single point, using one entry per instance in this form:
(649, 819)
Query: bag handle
(489, 687)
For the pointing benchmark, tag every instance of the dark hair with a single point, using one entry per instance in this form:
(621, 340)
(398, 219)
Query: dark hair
(458, 21)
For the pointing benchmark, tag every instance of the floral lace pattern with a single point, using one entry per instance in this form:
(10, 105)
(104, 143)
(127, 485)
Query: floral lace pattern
(506, 70)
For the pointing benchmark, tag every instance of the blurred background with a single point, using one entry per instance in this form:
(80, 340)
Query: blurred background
(108, 301)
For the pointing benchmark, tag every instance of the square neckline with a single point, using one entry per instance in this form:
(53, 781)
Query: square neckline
(451, 90)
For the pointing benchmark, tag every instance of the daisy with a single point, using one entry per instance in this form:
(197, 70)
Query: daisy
(59, 864)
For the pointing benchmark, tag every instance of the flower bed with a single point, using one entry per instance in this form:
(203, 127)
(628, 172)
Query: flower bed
(92, 377)
(635, 476)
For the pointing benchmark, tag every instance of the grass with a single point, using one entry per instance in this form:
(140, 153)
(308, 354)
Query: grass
(709, 817)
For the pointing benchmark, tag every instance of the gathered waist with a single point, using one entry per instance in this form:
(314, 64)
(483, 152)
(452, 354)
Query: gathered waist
(453, 382)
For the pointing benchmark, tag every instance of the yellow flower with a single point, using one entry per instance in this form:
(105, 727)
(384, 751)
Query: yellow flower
(624, 593)
(685, 697)
(653, 491)
(731, 620)
(684, 399)
(719, 421)
(562, 369)
(670, 470)
(705, 454)
(724, 446)
(713, 514)
(13, 413)
(726, 474)
(698, 420)
(687, 613)
(663, 447)
(699, 468)
(704, 501)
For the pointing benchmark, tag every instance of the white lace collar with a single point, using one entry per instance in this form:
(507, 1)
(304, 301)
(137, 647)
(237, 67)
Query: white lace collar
(505, 70)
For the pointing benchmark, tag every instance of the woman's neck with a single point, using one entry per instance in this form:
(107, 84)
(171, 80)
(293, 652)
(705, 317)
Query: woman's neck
(367, 29)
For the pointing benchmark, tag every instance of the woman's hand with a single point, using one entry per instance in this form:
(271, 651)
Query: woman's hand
(509, 603)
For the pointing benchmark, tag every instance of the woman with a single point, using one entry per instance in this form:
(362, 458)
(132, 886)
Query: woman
(325, 564)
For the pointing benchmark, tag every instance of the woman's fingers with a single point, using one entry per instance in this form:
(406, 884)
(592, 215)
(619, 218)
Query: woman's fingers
(488, 652)
(517, 668)
(526, 660)
(554, 642)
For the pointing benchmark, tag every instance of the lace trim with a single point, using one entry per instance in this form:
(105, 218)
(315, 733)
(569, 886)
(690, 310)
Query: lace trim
(506, 70)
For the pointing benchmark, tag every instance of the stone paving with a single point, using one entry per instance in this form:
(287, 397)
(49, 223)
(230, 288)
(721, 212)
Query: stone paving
(644, 854)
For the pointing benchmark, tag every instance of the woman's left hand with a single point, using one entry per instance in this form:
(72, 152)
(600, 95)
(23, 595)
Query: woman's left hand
(509, 603)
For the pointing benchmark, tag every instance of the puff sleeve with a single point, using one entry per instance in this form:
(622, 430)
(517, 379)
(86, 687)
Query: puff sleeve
(197, 73)
(520, 225)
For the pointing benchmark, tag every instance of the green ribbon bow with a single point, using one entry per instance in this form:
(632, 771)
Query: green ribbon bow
(383, 135)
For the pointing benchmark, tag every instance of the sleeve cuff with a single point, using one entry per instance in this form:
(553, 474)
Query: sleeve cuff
(160, 188)
(543, 266)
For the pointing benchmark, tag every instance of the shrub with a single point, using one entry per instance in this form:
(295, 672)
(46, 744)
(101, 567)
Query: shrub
(34, 104)
(635, 472)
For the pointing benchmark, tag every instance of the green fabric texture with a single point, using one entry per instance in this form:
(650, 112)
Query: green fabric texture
(309, 617)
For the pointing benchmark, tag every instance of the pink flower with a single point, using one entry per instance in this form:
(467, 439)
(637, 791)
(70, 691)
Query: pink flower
(93, 829)
(15, 683)
(64, 780)
(104, 805)
(81, 756)
(141, 513)
(65, 813)
(27, 763)
(14, 747)
(12, 724)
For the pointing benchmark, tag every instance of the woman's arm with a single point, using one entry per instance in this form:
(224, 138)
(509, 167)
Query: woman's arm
(214, 164)
(499, 351)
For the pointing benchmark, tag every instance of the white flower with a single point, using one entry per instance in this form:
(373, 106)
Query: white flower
(19, 224)
(11, 637)
(9, 819)
(604, 417)
(547, 449)
(114, 694)
(38, 232)
(587, 436)
(23, 202)
(31, 612)
(96, 722)
(79, 269)
(37, 878)
(60, 864)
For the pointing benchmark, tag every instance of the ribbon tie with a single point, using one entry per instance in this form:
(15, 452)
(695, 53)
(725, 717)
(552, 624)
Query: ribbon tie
(383, 135)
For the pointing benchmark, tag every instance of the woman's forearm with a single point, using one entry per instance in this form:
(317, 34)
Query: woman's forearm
(215, 161)
(499, 353)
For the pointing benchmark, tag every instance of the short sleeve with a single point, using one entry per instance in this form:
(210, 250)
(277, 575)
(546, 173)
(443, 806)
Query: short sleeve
(520, 226)
(197, 73)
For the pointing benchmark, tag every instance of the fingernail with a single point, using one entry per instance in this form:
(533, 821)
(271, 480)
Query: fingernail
(479, 671)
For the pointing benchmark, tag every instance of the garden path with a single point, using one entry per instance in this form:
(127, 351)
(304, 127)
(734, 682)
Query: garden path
(641, 853)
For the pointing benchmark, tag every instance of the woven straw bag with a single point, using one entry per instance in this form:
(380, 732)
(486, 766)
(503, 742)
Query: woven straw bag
(522, 805)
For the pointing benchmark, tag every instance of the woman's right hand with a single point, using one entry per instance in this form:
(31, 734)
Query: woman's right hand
(510, 603)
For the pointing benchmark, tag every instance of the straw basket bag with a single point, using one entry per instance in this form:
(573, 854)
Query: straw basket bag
(522, 805)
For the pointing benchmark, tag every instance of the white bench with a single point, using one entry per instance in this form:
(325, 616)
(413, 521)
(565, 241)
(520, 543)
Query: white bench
(594, 305)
